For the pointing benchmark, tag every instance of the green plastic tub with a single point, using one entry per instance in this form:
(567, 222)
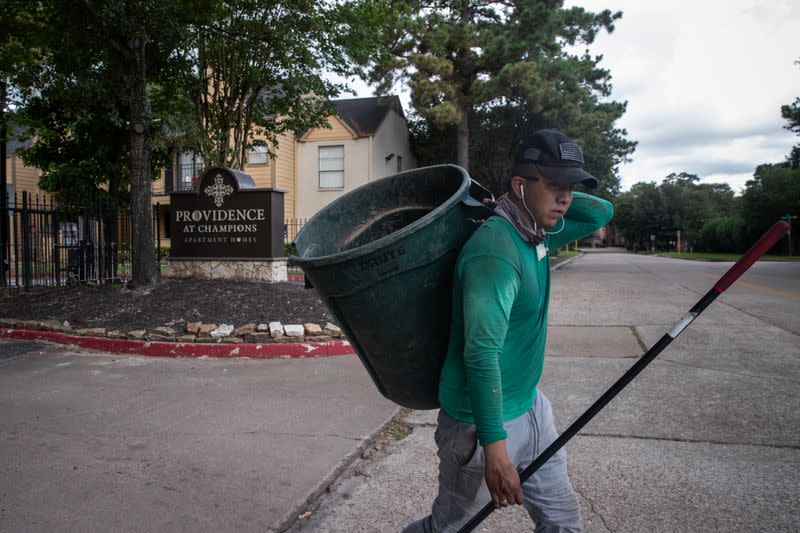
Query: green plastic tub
(381, 257)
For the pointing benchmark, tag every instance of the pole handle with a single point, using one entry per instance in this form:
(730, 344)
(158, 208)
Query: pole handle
(762, 245)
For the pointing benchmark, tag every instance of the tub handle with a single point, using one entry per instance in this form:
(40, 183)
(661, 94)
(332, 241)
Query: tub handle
(476, 194)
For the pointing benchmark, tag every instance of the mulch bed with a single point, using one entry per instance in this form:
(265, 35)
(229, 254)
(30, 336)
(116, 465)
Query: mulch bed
(173, 302)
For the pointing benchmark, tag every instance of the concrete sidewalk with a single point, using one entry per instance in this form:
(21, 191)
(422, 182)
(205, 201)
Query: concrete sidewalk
(705, 439)
(103, 442)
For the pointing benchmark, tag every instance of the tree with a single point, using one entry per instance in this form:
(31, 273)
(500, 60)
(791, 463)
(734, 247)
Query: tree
(637, 214)
(679, 203)
(724, 234)
(496, 131)
(791, 113)
(89, 83)
(773, 192)
(69, 99)
(81, 145)
(142, 38)
(474, 66)
(20, 22)
(260, 70)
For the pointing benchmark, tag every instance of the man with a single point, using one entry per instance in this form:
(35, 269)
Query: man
(494, 420)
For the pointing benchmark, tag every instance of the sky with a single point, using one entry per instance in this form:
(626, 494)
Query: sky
(704, 81)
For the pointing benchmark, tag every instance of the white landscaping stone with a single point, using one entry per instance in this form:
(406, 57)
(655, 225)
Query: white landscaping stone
(332, 330)
(276, 330)
(294, 330)
(264, 327)
(224, 330)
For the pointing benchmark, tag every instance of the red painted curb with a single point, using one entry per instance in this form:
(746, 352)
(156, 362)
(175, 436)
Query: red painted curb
(188, 349)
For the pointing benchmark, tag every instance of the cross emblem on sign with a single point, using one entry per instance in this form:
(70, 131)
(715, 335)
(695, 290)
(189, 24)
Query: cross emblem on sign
(219, 190)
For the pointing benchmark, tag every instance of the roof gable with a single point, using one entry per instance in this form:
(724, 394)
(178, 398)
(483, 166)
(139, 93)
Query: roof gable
(365, 115)
(339, 130)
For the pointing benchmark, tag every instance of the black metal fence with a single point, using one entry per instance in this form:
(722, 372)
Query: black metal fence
(44, 246)
(291, 227)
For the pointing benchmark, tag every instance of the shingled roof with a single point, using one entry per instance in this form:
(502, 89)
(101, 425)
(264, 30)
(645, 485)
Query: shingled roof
(365, 115)
(14, 143)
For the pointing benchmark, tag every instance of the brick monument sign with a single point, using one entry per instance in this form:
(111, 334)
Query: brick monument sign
(226, 228)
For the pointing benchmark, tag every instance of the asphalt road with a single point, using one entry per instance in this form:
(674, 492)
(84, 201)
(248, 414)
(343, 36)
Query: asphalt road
(13, 349)
(769, 290)
(106, 442)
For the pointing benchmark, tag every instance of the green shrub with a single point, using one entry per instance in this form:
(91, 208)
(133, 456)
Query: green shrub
(724, 234)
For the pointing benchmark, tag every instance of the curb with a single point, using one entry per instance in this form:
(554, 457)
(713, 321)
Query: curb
(291, 516)
(180, 349)
(566, 262)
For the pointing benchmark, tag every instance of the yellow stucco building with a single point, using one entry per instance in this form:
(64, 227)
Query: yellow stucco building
(19, 176)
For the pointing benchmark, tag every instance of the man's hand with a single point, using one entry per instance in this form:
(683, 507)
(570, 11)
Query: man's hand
(490, 203)
(501, 476)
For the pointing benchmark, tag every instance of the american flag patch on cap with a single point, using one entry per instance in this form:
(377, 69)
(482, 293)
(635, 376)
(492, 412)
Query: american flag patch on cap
(571, 152)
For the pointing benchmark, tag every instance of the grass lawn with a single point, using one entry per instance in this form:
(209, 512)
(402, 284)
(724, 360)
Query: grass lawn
(703, 256)
(562, 256)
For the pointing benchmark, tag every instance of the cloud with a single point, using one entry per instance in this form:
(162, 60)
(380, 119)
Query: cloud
(669, 136)
(704, 83)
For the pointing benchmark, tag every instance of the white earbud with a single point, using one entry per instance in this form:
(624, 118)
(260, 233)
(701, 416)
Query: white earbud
(533, 218)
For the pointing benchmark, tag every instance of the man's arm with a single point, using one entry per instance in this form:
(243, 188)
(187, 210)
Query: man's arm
(586, 215)
(490, 285)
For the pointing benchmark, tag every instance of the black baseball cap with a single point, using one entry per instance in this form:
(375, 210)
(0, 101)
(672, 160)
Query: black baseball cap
(554, 155)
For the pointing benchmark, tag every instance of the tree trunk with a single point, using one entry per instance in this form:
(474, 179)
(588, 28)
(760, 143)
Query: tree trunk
(144, 266)
(462, 141)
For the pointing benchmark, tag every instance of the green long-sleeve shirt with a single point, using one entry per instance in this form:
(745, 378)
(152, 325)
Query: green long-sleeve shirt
(499, 328)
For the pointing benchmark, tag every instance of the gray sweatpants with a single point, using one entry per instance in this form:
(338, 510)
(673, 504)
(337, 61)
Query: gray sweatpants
(549, 498)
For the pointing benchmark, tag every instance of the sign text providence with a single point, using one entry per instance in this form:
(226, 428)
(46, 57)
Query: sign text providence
(201, 221)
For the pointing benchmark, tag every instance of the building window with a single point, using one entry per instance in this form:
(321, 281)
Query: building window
(258, 155)
(190, 166)
(331, 167)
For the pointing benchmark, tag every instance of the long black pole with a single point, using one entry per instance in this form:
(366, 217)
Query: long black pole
(767, 241)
